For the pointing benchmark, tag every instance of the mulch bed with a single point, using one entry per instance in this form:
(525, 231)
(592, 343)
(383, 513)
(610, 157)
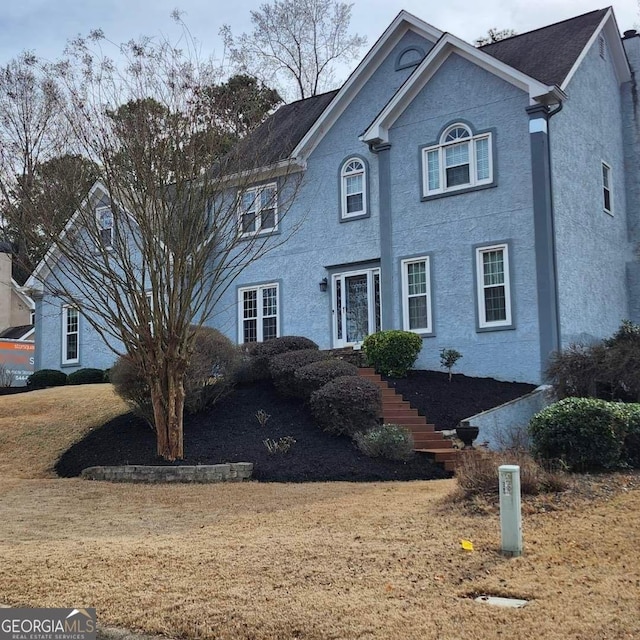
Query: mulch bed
(230, 432)
(445, 403)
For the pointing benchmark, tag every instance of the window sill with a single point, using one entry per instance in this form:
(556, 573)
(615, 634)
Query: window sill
(455, 192)
(66, 365)
(609, 213)
(501, 327)
(259, 234)
(357, 216)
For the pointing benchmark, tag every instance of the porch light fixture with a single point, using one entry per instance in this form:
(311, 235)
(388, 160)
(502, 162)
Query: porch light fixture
(323, 284)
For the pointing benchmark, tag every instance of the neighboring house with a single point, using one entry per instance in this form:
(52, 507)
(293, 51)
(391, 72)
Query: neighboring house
(487, 199)
(16, 308)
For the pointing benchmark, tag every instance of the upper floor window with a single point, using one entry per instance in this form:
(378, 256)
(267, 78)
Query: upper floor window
(70, 334)
(104, 220)
(258, 210)
(459, 161)
(353, 179)
(606, 188)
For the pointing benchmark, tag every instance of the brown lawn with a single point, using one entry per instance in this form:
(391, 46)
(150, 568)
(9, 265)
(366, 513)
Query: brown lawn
(318, 561)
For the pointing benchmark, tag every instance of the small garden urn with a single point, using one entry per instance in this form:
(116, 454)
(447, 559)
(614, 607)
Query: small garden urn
(467, 434)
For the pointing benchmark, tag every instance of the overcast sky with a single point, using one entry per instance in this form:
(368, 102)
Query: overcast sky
(44, 26)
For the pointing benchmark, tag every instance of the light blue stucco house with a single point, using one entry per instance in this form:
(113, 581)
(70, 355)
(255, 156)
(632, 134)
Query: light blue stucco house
(487, 199)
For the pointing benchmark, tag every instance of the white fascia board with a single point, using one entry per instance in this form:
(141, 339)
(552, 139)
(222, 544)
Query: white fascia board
(609, 27)
(403, 22)
(26, 336)
(378, 130)
(282, 168)
(23, 295)
(43, 268)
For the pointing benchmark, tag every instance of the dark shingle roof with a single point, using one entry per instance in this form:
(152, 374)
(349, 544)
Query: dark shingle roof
(278, 136)
(549, 53)
(15, 333)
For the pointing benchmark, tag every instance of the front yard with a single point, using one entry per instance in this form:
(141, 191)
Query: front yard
(311, 561)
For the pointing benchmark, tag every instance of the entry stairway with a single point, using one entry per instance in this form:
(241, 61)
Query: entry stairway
(396, 410)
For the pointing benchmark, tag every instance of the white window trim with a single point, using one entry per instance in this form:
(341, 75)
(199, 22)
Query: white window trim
(405, 294)
(65, 335)
(609, 188)
(259, 230)
(100, 229)
(480, 287)
(343, 189)
(473, 170)
(259, 325)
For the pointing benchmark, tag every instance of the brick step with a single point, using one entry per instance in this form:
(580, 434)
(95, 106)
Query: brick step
(450, 465)
(396, 402)
(365, 370)
(417, 429)
(389, 393)
(374, 377)
(399, 410)
(440, 455)
(405, 421)
(428, 440)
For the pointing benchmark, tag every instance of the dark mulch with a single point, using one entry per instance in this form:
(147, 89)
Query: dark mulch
(7, 391)
(445, 403)
(230, 432)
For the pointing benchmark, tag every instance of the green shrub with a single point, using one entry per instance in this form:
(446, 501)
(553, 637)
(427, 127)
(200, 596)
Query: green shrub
(347, 404)
(46, 378)
(86, 376)
(631, 443)
(262, 352)
(283, 367)
(584, 433)
(315, 375)
(448, 359)
(623, 362)
(389, 441)
(393, 352)
(211, 373)
(209, 377)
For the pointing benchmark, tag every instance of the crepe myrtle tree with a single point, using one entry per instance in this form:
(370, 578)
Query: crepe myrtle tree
(148, 254)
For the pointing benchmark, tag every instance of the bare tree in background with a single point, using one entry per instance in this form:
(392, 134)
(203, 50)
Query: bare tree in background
(295, 45)
(149, 261)
(494, 35)
(30, 133)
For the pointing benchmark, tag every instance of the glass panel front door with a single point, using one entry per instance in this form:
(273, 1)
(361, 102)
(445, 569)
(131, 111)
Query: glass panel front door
(356, 306)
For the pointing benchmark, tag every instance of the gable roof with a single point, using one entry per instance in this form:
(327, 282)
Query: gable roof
(549, 53)
(17, 333)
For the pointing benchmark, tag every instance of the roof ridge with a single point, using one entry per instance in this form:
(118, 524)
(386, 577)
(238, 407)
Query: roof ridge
(315, 95)
(553, 24)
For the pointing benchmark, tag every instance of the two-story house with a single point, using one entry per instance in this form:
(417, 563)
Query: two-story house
(485, 198)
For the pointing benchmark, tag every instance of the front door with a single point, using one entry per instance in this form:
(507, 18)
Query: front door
(356, 306)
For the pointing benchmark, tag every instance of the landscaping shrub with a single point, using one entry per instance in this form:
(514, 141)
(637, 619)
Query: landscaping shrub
(129, 383)
(623, 361)
(584, 433)
(477, 474)
(208, 378)
(631, 443)
(210, 375)
(262, 352)
(313, 376)
(392, 352)
(86, 376)
(347, 404)
(389, 441)
(283, 367)
(46, 378)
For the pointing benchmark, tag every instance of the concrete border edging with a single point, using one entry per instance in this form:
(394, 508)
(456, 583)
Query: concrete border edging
(229, 472)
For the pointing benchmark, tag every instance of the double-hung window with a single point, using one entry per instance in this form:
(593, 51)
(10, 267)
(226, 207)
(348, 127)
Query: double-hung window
(606, 188)
(416, 295)
(104, 220)
(493, 286)
(258, 210)
(258, 310)
(353, 177)
(70, 335)
(461, 160)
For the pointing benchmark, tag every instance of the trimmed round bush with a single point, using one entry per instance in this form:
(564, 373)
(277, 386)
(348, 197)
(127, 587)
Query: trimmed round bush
(283, 367)
(86, 376)
(584, 433)
(211, 373)
(389, 441)
(209, 377)
(313, 376)
(262, 352)
(347, 404)
(631, 443)
(392, 353)
(46, 378)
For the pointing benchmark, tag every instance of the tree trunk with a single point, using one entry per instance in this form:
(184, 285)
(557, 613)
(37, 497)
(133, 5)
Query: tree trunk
(167, 396)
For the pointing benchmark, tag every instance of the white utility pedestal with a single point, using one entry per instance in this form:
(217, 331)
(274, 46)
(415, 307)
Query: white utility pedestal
(510, 510)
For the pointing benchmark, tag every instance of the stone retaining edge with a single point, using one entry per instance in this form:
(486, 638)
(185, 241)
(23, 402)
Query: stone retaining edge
(229, 472)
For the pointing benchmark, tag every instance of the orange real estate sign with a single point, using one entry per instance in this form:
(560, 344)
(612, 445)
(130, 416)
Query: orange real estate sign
(18, 359)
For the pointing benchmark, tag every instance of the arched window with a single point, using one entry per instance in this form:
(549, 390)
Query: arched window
(460, 160)
(353, 184)
(409, 57)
